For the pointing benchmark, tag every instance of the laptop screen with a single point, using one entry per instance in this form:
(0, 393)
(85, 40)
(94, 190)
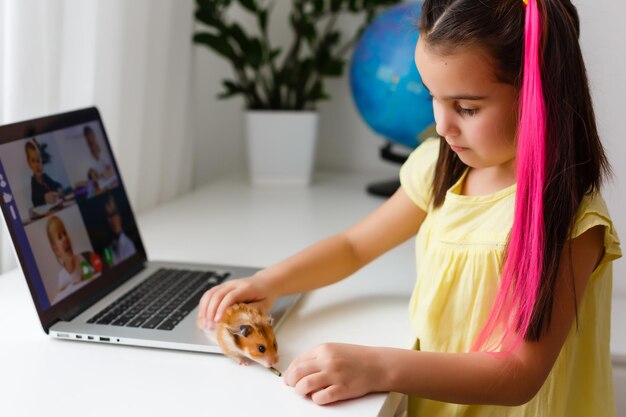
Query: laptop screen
(65, 205)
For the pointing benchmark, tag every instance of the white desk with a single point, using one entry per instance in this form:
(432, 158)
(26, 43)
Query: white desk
(232, 223)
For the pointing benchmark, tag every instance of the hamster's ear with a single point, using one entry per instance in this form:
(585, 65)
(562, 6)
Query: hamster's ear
(270, 321)
(245, 329)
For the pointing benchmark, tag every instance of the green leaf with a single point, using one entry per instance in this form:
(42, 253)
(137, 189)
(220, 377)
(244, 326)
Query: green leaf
(249, 5)
(232, 86)
(206, 17)
(309, 31)
(335, 5)
(231, 89)
(218, 44)
(263, 15)
(333, 68)
(274, 53)
(332, 39)
(305, 71)
(255, 53)
(317, 93)
(240, 37)
(318, 6)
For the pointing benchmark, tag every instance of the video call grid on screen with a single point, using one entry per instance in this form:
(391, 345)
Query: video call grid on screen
(68, 210)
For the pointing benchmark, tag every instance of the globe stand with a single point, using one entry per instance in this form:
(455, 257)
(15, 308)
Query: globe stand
(387, 188)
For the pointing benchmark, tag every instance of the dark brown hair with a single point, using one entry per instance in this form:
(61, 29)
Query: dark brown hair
(575, 160)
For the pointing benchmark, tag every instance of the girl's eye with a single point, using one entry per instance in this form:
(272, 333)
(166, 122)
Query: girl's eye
(466, 112)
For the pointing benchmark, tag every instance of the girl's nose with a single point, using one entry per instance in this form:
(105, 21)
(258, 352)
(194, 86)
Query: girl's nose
(444, 123)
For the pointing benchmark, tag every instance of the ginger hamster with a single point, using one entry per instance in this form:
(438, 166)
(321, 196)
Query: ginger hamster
(245, 332)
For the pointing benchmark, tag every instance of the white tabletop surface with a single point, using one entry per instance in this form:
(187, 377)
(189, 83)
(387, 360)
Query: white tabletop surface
(228, 222)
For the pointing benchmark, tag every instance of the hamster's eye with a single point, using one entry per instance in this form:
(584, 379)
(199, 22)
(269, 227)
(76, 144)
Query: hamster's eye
(261, 348)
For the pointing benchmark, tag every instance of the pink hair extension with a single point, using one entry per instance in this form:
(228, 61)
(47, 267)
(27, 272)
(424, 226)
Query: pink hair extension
(523, 266)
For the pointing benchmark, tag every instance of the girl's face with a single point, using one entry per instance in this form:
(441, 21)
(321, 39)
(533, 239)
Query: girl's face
(60, 240)
(474, 112)
(34, 162)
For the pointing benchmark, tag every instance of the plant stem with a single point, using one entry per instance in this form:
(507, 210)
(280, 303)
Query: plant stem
(273, 91)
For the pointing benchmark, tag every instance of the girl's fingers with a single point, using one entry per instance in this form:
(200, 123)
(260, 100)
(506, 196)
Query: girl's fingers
(204, 303)
(215, 301)
(228, 299)
(328, 395)
(312, 383)
(296, 371)
(301, 360)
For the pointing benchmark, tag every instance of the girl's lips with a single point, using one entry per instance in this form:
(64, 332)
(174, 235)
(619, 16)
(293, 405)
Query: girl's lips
(458, 148)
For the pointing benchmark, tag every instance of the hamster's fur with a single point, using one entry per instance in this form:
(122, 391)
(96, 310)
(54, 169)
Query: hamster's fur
(245, 332)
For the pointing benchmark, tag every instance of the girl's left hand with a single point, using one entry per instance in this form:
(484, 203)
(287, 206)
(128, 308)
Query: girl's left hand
(333, 372)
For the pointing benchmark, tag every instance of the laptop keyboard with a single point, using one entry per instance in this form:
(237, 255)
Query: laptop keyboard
(161, 301)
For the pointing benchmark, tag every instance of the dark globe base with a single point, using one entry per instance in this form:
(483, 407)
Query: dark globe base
(383, 188)
(387, 188)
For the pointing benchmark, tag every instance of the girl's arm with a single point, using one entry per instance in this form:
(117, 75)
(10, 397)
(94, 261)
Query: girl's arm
(334, 372)
(323, 263)
(339, 256)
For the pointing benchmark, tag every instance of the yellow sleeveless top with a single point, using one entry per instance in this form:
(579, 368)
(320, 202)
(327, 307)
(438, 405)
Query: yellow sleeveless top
(459, 251)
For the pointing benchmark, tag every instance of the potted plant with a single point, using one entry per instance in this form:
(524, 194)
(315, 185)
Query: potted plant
(281, 88)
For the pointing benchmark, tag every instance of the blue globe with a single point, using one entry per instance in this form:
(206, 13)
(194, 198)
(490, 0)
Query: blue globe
(386, 87)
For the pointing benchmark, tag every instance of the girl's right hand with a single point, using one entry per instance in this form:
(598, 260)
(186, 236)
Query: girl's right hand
(244, 290)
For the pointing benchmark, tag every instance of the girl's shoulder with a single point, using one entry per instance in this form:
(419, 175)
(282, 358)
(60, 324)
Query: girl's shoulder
(593, 212)
(416, 174)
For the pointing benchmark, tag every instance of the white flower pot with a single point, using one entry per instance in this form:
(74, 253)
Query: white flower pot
(281, 146)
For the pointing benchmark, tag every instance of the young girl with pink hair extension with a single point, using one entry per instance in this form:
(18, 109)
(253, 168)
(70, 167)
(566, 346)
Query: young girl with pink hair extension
(510, 314)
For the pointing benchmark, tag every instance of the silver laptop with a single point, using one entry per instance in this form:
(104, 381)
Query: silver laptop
(79, 246)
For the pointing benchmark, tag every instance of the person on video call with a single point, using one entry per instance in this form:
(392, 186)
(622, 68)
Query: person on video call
(76, 269)
(99, 163)
(44, 190)
(121, 247)
(93, 183)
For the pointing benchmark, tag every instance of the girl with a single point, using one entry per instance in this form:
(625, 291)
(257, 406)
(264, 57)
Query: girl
(44, 190)
(76, 269)
(511, 309)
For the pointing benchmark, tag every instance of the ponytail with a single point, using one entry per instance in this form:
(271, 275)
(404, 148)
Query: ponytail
(523, 266)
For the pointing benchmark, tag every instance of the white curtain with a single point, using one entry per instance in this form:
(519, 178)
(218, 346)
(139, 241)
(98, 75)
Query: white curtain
(132, 59)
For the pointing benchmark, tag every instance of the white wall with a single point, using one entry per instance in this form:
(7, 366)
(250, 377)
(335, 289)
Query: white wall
(603, 39)
(347, 144)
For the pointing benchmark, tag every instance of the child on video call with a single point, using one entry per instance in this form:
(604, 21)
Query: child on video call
(75, 268)
(100, 166)
(510, 314)
(44, 190)
(93, 183)
(121, 246)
